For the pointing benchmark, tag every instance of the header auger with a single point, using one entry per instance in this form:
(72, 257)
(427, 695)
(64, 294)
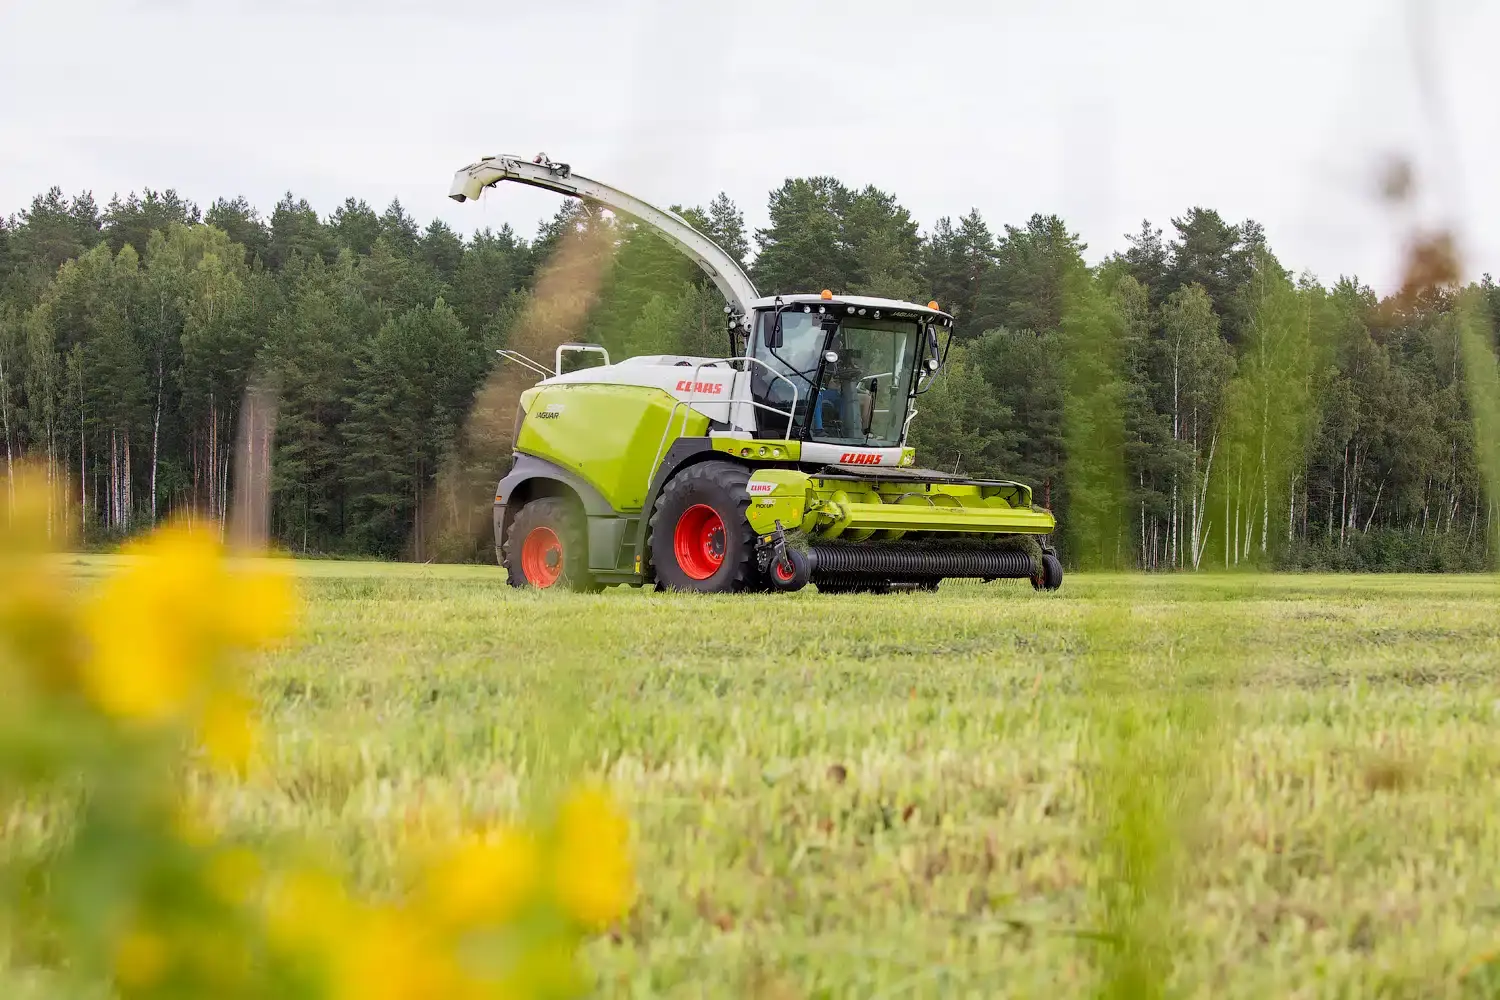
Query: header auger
(782, 464)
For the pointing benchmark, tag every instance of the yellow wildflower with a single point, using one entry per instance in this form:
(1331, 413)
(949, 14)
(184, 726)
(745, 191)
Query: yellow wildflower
(35, 615)
(140, 959)
(307, 910)
(486, 880)
(157, 626)
(147, 626)
(35, 630)
(389, 956)
(228, 731)
(594, 875)
(261, 607)
(27, 527)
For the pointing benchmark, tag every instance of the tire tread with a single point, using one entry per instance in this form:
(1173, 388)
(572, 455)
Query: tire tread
(732, 478)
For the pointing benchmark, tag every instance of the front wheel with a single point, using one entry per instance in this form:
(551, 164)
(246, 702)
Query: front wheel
(1049, 574)
(700, 538)
(547, 547)
(793, 575)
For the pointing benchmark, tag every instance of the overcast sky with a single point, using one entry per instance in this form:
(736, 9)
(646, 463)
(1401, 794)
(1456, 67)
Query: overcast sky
(1103, 111)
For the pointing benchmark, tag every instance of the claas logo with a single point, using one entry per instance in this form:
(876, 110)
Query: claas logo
(859, 458)
(706, 388)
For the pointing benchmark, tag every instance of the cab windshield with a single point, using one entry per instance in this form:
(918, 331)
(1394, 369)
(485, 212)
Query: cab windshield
(864, 383)
(859, 398)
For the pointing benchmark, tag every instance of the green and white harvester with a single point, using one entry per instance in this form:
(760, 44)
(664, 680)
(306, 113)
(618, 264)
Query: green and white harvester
(782, 464)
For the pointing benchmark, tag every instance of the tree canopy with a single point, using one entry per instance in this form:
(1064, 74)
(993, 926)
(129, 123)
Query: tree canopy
(1185, 403)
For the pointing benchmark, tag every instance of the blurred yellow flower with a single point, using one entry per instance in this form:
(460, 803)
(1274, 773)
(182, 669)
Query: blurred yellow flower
(140, 959)
(485, 880)
(594, 872)
(146, 626)
(36, 624)
(157, 626)
(307, 911)
(26, 525)
(388, 955)
(260, 608)
(228, 731)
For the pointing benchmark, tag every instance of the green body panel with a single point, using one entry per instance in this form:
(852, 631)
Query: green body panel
(860, 510)
(777, 495)
(750, 449)
(608, 434)
(761, 450)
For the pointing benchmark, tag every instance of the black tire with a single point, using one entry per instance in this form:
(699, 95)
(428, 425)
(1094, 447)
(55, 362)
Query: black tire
(801, 572)
(1049, 575)
(719, 486)
(567, 526)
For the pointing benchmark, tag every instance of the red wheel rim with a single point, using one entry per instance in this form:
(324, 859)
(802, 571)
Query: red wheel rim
(783, 573)
(699, 541)
(542, 557)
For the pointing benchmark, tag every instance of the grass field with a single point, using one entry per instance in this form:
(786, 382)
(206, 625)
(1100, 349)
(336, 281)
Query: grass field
(1250, 786)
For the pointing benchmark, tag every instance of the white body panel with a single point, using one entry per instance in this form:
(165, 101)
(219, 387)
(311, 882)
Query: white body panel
(844, 304)
(710, 387)
(849, 454)
(706, 385)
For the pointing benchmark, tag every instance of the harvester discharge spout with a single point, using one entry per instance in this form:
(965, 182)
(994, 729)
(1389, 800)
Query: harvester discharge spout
(727, 275)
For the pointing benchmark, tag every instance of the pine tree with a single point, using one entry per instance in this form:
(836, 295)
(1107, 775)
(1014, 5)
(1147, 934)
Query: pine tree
(802, 250)
(50, 233)
(412, 390)
(494, 266)
(297, 231)
(131, 222)
(239, 221)
(441, 250)
(399, 229)
(1032, 266)
(356, 226)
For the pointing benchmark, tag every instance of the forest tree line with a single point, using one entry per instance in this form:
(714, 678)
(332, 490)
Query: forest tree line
(1186, 403)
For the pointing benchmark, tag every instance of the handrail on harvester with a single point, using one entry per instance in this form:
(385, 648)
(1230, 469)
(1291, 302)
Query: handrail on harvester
(516, 357)
(687, 404)
(579, 349)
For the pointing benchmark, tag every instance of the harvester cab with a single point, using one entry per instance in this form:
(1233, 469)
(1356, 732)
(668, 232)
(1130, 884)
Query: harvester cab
(783, 463)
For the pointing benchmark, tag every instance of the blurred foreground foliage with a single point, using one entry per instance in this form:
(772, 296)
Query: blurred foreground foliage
(118, 706)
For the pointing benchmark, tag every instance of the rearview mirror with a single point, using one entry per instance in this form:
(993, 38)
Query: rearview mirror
(773, 335)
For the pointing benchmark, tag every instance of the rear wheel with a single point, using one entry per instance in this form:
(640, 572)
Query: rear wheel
(700, 538)
(547, 547)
